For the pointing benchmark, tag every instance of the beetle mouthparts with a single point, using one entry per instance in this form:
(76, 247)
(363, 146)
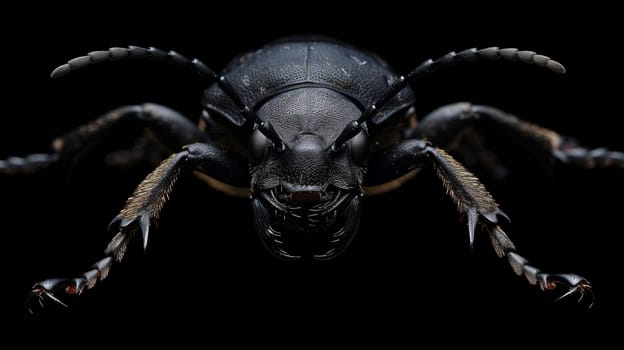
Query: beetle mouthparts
(294, 198)
(320, 224)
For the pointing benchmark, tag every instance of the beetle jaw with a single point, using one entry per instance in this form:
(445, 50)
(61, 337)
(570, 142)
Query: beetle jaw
(308, 222)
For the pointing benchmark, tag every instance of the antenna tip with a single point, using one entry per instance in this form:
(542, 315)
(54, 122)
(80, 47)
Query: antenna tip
(555, 67)
(60, 71)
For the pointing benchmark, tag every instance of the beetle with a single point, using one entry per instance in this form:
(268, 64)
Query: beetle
(306, 127)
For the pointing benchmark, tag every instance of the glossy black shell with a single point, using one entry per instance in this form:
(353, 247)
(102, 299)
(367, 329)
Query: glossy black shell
(294, 63)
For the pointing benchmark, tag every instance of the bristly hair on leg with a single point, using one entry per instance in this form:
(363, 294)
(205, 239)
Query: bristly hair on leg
(149, 198)
(468, 193)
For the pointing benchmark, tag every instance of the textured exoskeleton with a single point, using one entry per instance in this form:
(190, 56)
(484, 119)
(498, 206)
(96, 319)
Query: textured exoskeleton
(305, 127)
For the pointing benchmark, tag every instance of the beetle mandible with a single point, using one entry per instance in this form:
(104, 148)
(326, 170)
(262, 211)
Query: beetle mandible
(305, 127)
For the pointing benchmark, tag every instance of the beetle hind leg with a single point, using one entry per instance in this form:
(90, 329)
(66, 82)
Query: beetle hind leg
(570, 152)
(145, 150)
(446, 124)
(169, 127)
(27, 164)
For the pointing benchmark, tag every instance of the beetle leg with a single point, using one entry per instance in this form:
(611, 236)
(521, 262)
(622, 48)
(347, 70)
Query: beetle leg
(444, 125)
(27, 164)
(504, 247)
(146, 149)
(143, 206)
(570, 152)
(463, 187)
(170, 127)
(48, 288)
(474, 200)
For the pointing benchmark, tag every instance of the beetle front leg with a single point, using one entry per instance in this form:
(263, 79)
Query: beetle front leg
(141, 208)
(472, 199)
(461, 185)
(504, 247)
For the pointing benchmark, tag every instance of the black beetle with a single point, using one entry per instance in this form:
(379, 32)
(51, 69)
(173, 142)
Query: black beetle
(305, 127)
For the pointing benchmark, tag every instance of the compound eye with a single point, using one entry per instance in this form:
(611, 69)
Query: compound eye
(259, 145)
(359, 148)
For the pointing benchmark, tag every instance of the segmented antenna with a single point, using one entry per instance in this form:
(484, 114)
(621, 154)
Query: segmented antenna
(431, 66)
(135, 52)
(195, 65)
(491, 54)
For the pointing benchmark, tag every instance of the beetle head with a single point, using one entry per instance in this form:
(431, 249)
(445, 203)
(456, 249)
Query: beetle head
(306, 197)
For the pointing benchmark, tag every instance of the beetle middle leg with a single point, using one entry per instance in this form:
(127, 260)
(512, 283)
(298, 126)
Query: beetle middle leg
(471, 198)
(144, 206)
(444, 125)
(170, 128)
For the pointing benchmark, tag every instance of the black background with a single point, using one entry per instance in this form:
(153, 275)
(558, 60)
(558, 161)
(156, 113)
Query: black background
(408, 274)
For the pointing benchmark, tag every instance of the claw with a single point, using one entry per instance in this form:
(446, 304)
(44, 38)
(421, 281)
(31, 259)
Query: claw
(53, 298)
(575, 283)
(582, 290)
(28, 302)
(39, 293)
(568, 293)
